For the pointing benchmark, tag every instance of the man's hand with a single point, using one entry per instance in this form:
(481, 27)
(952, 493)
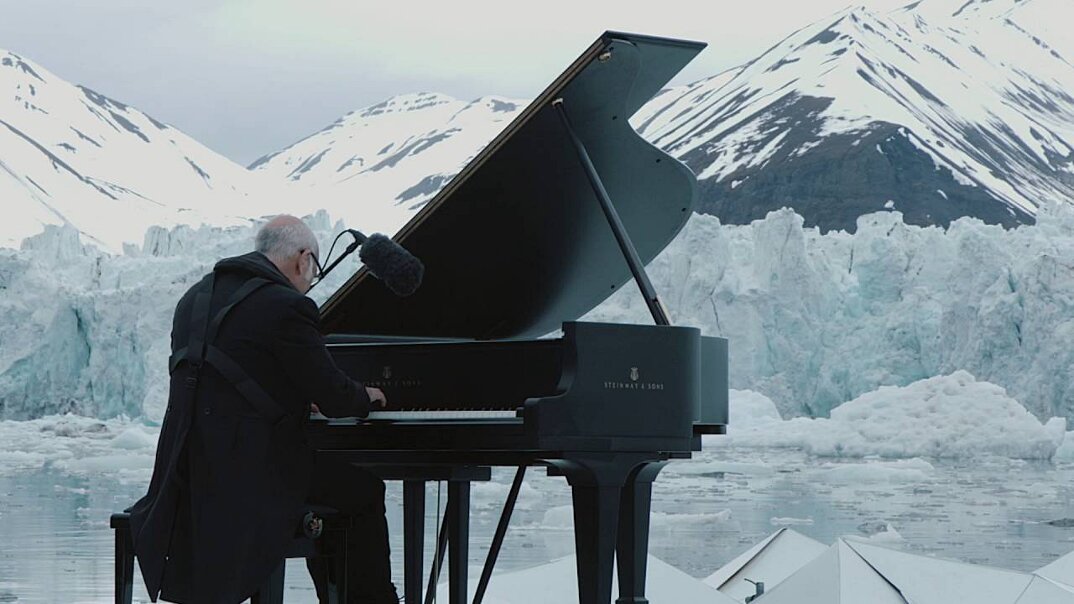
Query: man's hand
(376, 400)
(376, 397)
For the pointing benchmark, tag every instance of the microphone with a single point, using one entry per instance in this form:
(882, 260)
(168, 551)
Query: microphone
(400, 271)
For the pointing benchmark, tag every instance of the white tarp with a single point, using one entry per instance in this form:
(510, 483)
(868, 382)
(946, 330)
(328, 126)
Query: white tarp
(928, 580)
(853, 571)
(1060, 570)
(1044, 591)
(556, 583)
(838, 576)
(771, 561)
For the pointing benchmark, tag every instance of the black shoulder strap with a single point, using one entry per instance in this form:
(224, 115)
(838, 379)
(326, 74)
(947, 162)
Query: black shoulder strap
(200, 347)
(247, 387)
(199, 317)
(240, 294)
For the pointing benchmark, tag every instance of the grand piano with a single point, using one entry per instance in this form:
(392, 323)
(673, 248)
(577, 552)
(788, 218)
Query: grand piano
(486, 364)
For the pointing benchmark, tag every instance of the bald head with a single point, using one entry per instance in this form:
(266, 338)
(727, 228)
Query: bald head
(292, 247)
(284, 237)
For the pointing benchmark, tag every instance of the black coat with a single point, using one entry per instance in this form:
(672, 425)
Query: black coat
(228, 485)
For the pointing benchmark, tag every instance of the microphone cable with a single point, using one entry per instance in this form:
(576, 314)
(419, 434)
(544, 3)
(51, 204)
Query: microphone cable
(359, 238)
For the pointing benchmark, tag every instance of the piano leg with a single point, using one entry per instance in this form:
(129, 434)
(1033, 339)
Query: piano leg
(596, 484)
(595, 511)
(458, 510)
(632, 548)
(413, 538)
(438, 562)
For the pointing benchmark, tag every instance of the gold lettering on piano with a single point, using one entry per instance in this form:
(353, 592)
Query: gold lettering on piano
(634, 383)
(389, 379)
(396, 383)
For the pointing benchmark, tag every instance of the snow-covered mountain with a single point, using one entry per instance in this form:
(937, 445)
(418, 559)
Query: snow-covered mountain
(375, 166)
(937, 110)
(69, 155)
(940, 109)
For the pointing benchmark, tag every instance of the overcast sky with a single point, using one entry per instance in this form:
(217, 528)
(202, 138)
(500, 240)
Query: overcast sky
(247, 77)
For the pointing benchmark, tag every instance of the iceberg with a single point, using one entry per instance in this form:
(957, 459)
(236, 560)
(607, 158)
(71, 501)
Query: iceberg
(951, 416)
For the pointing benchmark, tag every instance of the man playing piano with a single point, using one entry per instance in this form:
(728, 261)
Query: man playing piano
(233, 471)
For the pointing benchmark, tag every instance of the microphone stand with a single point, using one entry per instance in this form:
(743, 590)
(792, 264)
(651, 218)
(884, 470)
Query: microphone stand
(359, 239)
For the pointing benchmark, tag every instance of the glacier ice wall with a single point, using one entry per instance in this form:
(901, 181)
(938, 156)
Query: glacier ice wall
(88, 332)
(816, 320)
(813, 320)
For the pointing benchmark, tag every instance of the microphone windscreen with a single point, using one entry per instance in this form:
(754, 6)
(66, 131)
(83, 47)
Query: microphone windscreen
(400, 271)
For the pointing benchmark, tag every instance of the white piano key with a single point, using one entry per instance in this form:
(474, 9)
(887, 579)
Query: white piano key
(434, 414)
(426, 415)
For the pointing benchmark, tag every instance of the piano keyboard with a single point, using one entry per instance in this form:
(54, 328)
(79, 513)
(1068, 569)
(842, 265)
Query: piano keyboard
(429, 415)
(446, 414)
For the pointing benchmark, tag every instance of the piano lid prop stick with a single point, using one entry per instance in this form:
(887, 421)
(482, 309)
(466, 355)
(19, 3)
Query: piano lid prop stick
(656, 307)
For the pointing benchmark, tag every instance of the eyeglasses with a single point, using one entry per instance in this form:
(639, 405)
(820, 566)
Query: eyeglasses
(319, 273)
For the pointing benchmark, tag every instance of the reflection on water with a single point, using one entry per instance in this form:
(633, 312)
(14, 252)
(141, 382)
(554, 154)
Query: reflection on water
(55, 544)
(990, 512)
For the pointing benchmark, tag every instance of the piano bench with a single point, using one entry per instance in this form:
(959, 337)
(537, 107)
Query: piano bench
(323, 532)
(124, 553)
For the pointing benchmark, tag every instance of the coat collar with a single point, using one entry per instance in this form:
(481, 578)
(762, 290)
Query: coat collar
(255, 264)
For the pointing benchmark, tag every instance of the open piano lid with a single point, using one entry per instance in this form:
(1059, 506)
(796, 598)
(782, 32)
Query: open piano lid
(517, 242)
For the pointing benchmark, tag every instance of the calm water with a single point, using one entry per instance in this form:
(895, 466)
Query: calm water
(55, 545)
